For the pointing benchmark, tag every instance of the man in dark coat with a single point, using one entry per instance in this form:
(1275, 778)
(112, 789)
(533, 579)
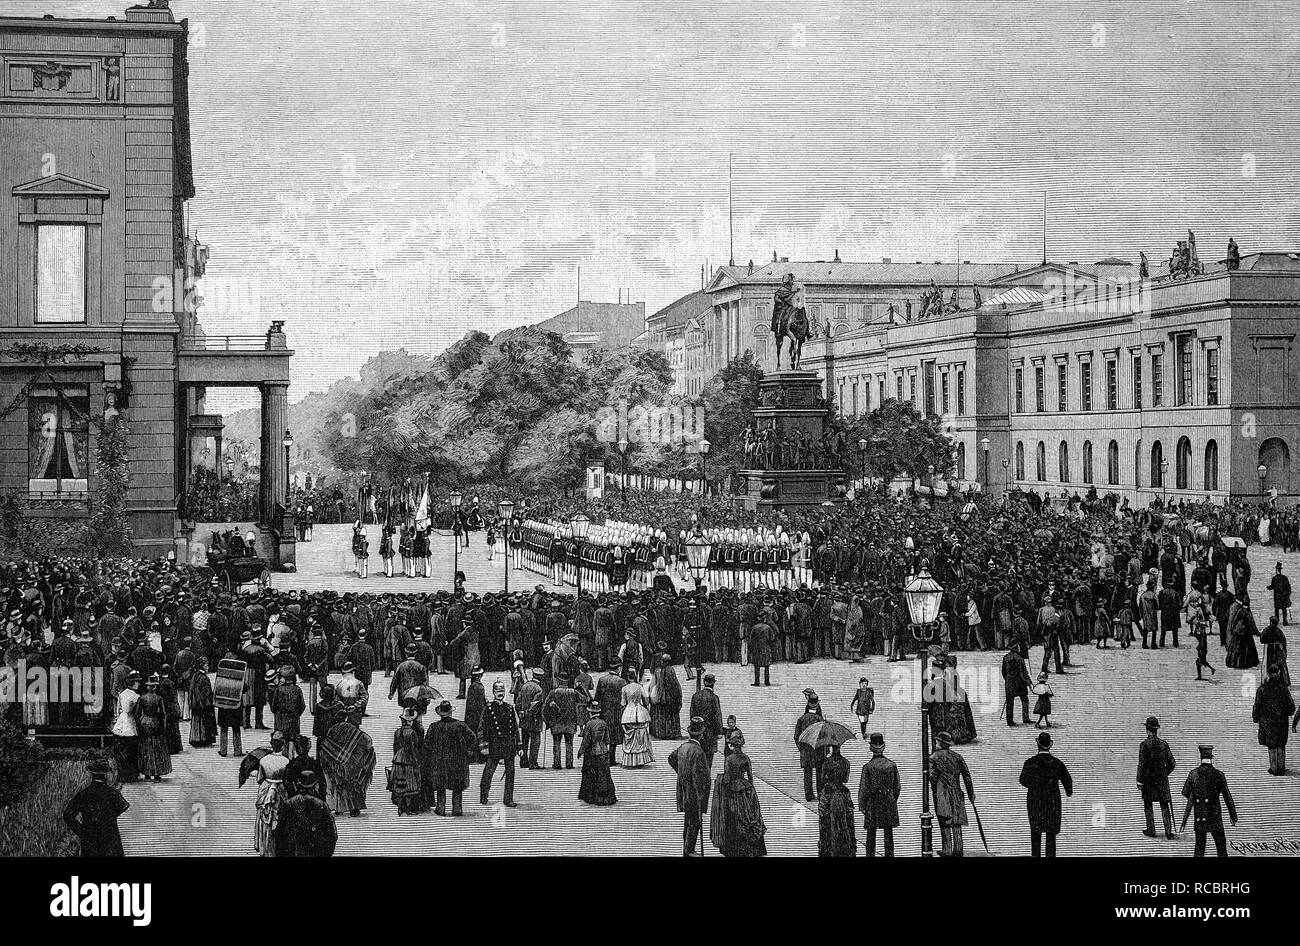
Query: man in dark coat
(1044, 775)
(1204, 787)
(498, 738)
(92, 814)
(759, 640)
(810, 759)
(1155, 762)
(1271, 712)
(306, 826)
(1015, 682)
(447, 745)
(409, 673)
(609, 702)
(706, 705)
(878, 791)
(692, 767)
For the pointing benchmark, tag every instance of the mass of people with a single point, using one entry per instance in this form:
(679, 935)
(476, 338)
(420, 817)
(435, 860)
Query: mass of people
(602, 667)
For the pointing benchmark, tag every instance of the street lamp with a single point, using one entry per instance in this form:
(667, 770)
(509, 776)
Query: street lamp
(698, 549)
(455, 500)
(923, 595)
(1164, 482)
(704, 466)
(504, 509)
(287, 441)
(1006, 472)
(862, 461)
(579, 523)
(1262, 472)
(622, 449)
(984, 445)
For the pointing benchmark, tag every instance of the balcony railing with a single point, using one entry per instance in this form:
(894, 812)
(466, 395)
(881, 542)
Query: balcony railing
(226, 343)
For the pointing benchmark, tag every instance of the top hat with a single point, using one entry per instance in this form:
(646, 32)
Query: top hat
(1152, 723)
(443, 708)
(877, 740)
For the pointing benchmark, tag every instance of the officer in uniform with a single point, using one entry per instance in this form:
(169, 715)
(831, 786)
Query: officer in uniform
(498, 737)
(1203, 788)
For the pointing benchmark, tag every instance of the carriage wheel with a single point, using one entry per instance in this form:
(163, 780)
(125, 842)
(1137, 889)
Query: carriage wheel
(264, 579)
(226, 576)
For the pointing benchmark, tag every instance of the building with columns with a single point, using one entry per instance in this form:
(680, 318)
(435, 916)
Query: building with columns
(1181, 388)
(94, 175)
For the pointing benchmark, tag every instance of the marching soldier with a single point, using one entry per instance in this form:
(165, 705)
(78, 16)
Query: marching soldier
(360, 549)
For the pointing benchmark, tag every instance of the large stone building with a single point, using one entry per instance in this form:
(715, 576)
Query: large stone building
(1182, 387)
(94, 176)
(591, 324)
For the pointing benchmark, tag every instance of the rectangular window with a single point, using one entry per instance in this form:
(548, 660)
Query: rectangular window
(58, 443)
(898, 386)
(1137, 381)
(1212, 376)
(943, 388)
(1061, 370)
(1183, 371)
(855, 397)
(1112, 386)
(1038, 388)
(1157, 381)
(961, 392)
(1085, 385)
(1020, 390)
(911, 388)
(880, 390)
(928, 381)
(841, 312)
(60, 273)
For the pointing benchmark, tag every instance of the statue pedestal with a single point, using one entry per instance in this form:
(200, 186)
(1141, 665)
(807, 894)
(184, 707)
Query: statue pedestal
(791, 404)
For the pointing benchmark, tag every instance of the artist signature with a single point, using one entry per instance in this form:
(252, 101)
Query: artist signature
(1270, 846)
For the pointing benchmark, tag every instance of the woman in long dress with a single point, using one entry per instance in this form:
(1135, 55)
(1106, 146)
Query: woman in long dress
(203, 714)
(150, 714)
(270, 796)
(597, 786)
(126, 734)
(1242, 653)
(405, 786)
(665, 701)
(736, 825)
(636, 728)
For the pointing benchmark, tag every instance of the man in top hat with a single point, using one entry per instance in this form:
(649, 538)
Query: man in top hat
(498, 738)
(691, 764)
(1204, 787)
(93, 812)
(1044, 775)
(706, 705)
(363, 656)
(1155, 762)
(878, 790)
(810, 759)
(948, 774)
(609, 702)
(447, 746)
(409, 673)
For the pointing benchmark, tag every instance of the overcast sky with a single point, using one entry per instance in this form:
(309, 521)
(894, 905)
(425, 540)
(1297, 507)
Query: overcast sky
(395, 172)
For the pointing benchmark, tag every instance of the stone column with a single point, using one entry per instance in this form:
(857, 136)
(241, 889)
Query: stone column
(275, 418)
(219, 462)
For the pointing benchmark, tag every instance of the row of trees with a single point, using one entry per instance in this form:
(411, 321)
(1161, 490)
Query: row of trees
(520, 409)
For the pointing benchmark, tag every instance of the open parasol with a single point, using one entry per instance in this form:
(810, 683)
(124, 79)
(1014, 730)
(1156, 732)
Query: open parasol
(826, 733)
(422, 694)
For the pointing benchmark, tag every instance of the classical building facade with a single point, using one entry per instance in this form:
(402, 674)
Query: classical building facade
(94, 176)
(1181, 387)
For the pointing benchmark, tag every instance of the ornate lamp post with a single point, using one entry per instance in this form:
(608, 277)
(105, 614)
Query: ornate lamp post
(698, 549)
(1006, 473)
(455, 499)
(984, 445)
(1262, 472)
(287, 442)
(579, 523)
(622, 449)
(504, 509)
(704, 466)
(862, 460)
(230, 467)
(1164, 482)
(923, 594)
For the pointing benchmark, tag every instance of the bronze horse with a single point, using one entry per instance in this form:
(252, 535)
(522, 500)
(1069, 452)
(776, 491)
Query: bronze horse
(789, 319)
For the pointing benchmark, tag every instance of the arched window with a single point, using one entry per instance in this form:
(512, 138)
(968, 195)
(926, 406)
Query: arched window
(1040, 465)
(1087, 461)
(961, 461)
(1211, 465)
(1183, 464)
(1063, 462)
(1112, 463)
(1137, 463)
(1157, 464)
(1020, 459)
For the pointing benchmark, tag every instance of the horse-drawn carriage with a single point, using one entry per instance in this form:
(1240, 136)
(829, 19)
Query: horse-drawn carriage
(232, 572)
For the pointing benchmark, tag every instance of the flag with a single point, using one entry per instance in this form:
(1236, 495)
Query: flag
(422, 511)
